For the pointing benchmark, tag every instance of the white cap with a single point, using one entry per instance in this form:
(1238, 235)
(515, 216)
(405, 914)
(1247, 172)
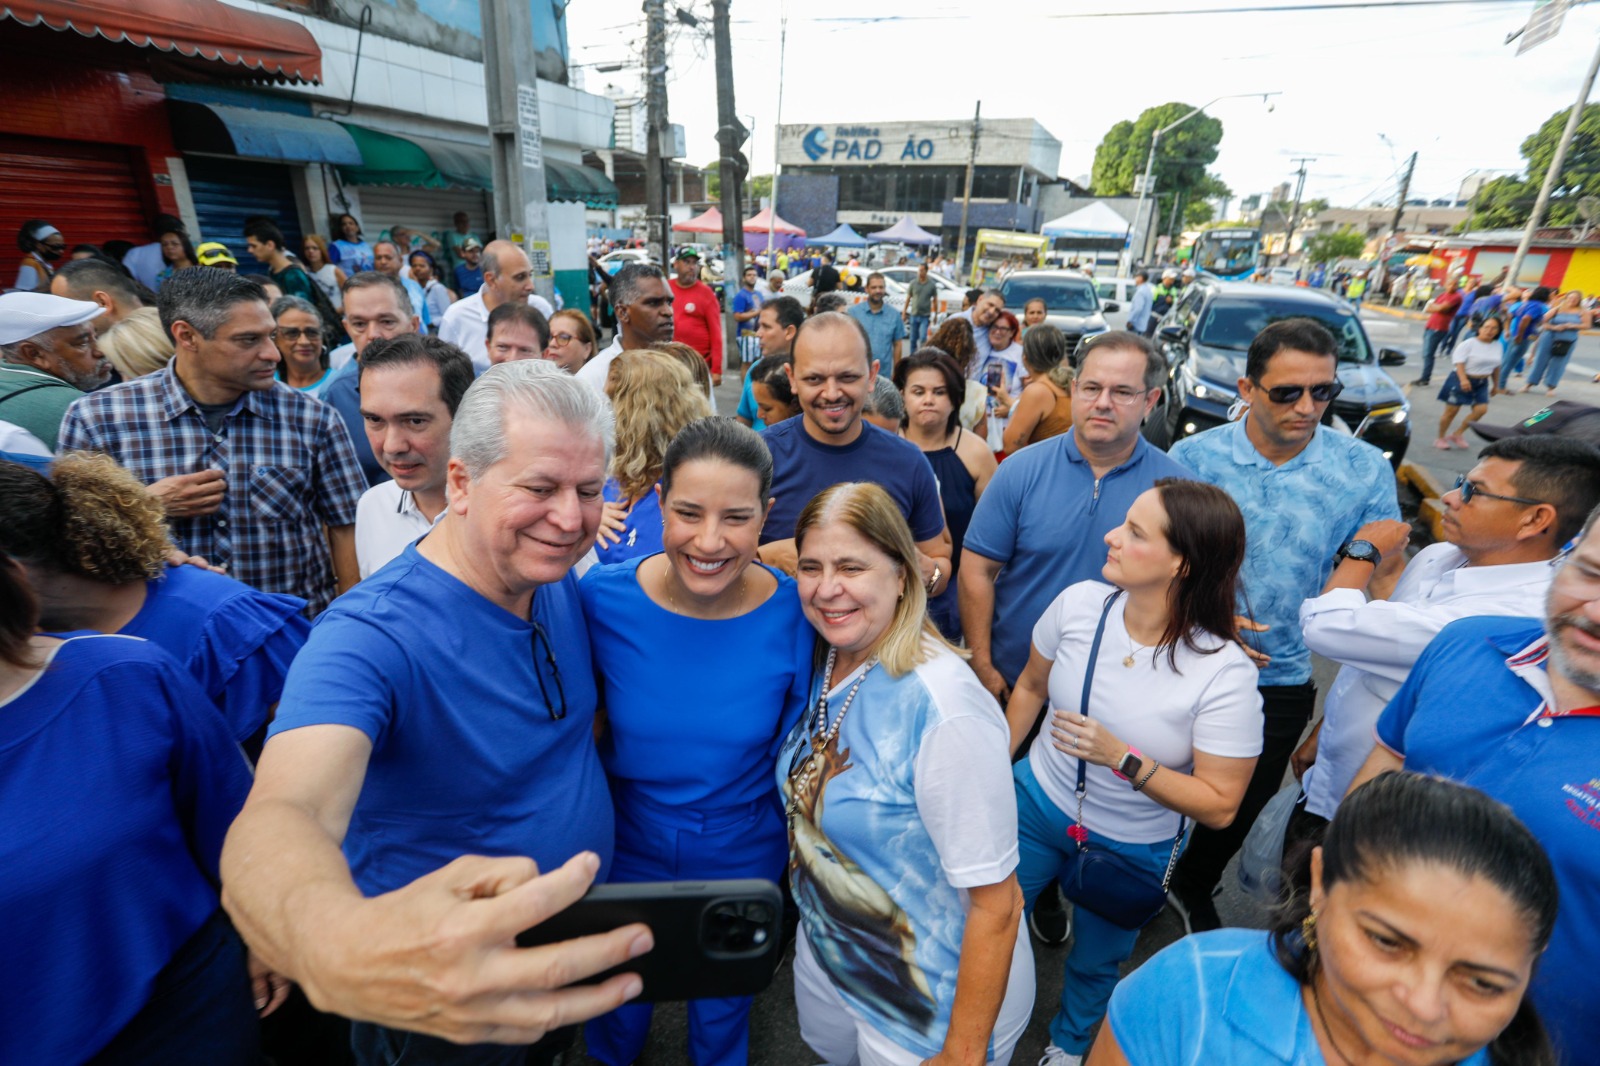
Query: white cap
(28, 314)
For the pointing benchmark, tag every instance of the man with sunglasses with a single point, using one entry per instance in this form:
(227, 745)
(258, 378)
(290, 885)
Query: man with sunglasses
(1503, 523)
(1305, 491)
(443, 712)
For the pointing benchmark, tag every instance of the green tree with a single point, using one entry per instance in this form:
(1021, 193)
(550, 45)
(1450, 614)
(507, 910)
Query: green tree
(1179, 169)
(755, 187)
(1343, 243)
(1506, 202)
(1501, 203)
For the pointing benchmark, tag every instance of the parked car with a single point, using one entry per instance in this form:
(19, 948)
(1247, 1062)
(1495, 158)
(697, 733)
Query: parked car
(1282, 276)
(799, 287)
(616, 260)
(1071, 300)
(950, 294)
(1206, 336)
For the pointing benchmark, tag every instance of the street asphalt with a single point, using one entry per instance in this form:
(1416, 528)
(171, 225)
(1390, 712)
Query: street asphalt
(774, 1032)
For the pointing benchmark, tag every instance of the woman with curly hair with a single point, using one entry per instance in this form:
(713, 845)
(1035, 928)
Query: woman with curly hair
(94, 545)
(954, 338)
(653, 396)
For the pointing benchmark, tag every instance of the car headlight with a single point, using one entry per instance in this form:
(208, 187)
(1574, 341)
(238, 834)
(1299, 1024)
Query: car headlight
(1396, 415)
(1201, 389)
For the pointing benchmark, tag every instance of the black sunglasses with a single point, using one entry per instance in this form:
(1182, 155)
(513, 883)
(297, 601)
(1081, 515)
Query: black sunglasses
(558, 711)
(1468, 490)
(1328, 390)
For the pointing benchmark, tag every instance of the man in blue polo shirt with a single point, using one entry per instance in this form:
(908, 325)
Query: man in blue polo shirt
(886, 329)
(1040, 525)
(1304, 491)
(442, 713)
(1509, 706)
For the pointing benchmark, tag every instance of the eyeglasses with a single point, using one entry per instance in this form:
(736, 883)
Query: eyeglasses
(1122, 395)
(1283, 394)
(296, 334)
(1468, 490)
(558, 710)
(562, 339)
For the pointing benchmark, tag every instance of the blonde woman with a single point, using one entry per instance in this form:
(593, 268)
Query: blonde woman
(653, 396)
(902, 840)
(137, 345)
(695, 364)
(329, 278)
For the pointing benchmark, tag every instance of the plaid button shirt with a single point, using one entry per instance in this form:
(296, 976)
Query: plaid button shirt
(289, 465)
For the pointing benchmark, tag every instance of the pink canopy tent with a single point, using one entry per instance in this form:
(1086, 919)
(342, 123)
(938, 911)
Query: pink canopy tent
(784, 234)
(708, 221)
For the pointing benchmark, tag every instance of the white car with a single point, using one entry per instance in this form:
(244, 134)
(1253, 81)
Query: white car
(621, 257)
(1282, 276)
(799, 287)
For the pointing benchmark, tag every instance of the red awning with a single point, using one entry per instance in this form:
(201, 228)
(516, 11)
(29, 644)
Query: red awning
(276, 48)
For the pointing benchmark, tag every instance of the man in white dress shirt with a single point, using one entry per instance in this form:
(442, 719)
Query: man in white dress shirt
(643, 303)
(410, 388)
(1514, 512)
(507, 278)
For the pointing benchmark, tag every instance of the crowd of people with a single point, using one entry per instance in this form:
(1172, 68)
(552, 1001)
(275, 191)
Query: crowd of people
(438, 628)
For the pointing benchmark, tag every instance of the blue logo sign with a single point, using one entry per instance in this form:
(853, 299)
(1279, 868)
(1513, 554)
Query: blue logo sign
(859, 142)
(815, 144)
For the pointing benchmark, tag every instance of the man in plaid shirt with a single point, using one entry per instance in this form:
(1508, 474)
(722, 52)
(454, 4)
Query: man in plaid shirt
(254, 475)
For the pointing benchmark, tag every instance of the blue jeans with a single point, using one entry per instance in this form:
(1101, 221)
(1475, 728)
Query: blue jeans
(1431, 339)
(1099, 947)
(1547, 367)
(919, 331)
(1457, 324)
(656, 842)
(1514, 351)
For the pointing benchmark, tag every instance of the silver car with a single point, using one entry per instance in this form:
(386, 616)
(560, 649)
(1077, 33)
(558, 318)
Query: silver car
(1071, 300)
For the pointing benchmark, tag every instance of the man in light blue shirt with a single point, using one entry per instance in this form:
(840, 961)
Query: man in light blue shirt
(386, 260)
(980, 316)
(1143, 300)
(885, 327)
(1304, 491)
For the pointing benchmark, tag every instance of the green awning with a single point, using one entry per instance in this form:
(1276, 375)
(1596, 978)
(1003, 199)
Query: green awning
(576, 184)
(390, 160)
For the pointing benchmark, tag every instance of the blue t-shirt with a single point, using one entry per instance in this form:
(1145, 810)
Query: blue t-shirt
(117, 784)
(747, 405)
(1296, 518)
(1043, 518)
(641, 535)
(467, 757)
(1531, 310)
(352, 256)
(236, 641)
(710, 737)
(343, 394)
(468, 279)
(1466, 712)
(1217, 997)
(883, 328)
(803, 467)
(743, 301)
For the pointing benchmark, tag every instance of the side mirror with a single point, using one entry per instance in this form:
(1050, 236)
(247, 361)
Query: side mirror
(1111, 308)
(1171, 334)
(1391, 357)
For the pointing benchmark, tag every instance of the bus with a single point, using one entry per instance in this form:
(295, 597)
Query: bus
(993, 248)
(1227, 253)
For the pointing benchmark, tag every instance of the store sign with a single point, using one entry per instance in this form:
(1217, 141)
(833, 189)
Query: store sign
(864, 144)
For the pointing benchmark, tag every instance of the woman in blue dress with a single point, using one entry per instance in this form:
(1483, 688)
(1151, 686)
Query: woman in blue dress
(705, 663)
(652, 397)
(94, 544)
(355, 254)
(1429, 908)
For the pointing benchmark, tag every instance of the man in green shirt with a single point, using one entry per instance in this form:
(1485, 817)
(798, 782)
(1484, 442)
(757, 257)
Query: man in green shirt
(920, 295)
(48, 358)
(265, 242)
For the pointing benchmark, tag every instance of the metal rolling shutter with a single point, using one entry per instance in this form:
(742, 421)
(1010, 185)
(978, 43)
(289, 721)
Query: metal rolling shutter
(87, 191)
(228, 191)
(429, 211)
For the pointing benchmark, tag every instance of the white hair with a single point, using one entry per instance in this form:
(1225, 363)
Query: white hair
(533, 387)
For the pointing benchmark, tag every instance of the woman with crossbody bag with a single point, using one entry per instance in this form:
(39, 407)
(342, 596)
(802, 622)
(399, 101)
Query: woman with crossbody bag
(1559, 337)
(1155, 724)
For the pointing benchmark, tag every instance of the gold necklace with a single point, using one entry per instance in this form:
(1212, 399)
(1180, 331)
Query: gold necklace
(666, 590)
(1134, 648)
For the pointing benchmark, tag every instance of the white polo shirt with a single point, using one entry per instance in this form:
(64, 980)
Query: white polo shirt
(387, 519)
(593, 373)
(466, 325)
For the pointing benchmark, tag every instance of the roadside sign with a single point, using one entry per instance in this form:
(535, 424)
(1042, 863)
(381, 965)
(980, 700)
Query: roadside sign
(1543, 24)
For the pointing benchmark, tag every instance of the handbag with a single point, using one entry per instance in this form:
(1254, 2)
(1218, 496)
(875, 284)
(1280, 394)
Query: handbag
(1559, 347)
(1101, 881)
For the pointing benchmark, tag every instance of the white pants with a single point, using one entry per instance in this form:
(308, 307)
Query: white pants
(834, 1031)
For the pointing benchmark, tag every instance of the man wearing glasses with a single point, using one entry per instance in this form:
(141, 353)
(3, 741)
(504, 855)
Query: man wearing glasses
(441, 713)
(1305, 492)
(1503, 523)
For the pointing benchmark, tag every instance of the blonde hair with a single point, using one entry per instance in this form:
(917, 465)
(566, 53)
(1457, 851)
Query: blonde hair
(692, 361)
(911, 637)
(653, 397)
(137, 345)
(112, 529)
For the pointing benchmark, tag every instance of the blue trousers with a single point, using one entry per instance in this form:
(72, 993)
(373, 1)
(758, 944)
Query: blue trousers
(1514, 351)
(656, 842)
(1431, 340)
(1547, 367)
(1099, 947)
(919, 331)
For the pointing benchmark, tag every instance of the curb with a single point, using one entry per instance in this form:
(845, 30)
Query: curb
(1428, 487)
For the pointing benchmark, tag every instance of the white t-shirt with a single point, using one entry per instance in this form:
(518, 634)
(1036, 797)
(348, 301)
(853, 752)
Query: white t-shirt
(1210, 704)
(387, 519)
(593, 373)
(1481, 357)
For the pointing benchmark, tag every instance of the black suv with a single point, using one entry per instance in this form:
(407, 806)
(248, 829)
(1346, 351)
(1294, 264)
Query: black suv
(1207, 334)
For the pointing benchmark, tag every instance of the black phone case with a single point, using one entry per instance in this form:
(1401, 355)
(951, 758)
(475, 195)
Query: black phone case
(713, 938)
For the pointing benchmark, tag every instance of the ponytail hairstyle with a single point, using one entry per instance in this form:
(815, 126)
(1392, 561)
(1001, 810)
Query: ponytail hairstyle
(90, 518)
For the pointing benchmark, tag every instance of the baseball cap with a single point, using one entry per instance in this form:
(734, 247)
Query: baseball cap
(688, 252)
(1579, 421)
(470, 242)
(212, 253)
(28, 314)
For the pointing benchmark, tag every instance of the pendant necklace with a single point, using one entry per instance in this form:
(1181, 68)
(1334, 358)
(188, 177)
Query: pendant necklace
(1134, 648)
(822, 734)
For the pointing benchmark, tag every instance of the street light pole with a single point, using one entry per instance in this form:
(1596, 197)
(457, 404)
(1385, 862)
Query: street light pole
(1150, 162)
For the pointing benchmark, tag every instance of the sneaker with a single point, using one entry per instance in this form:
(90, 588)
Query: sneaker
(1444, 445)
(1054, 1056)
(1423, 382)
(1049, 922)
(1197, 915)
(1460, 441)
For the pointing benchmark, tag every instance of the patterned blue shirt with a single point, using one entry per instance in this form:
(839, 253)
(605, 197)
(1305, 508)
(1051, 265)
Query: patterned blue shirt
(1296, 518)
(288, 460)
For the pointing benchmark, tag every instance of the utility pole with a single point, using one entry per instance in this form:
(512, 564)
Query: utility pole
(731, 134)
(1380, 272)
(521, 209)
(655, 177)
(777, 138)
(1552, 175)
(966, 196)
(1294, 212)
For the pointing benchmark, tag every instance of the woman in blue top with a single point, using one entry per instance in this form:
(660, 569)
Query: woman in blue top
(1429, 907)
(652, 397)
(355, 254)
(1521, 330)
(705, 661)
(117, 785)
(94, 543)
(1558, 336)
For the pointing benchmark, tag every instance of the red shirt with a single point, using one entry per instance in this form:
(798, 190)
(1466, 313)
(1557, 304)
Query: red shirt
(696, 319)
(1447, 305)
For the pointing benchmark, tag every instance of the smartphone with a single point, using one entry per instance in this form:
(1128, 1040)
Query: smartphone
(713, 938)
(994, 376)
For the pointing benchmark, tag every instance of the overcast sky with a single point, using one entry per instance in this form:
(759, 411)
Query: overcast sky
(1435, 80)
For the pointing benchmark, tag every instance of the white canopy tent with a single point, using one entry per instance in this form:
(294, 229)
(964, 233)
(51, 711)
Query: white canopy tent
(1096, 222)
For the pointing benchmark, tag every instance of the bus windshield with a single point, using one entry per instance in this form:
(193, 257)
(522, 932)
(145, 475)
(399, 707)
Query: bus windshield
(1226, 256)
